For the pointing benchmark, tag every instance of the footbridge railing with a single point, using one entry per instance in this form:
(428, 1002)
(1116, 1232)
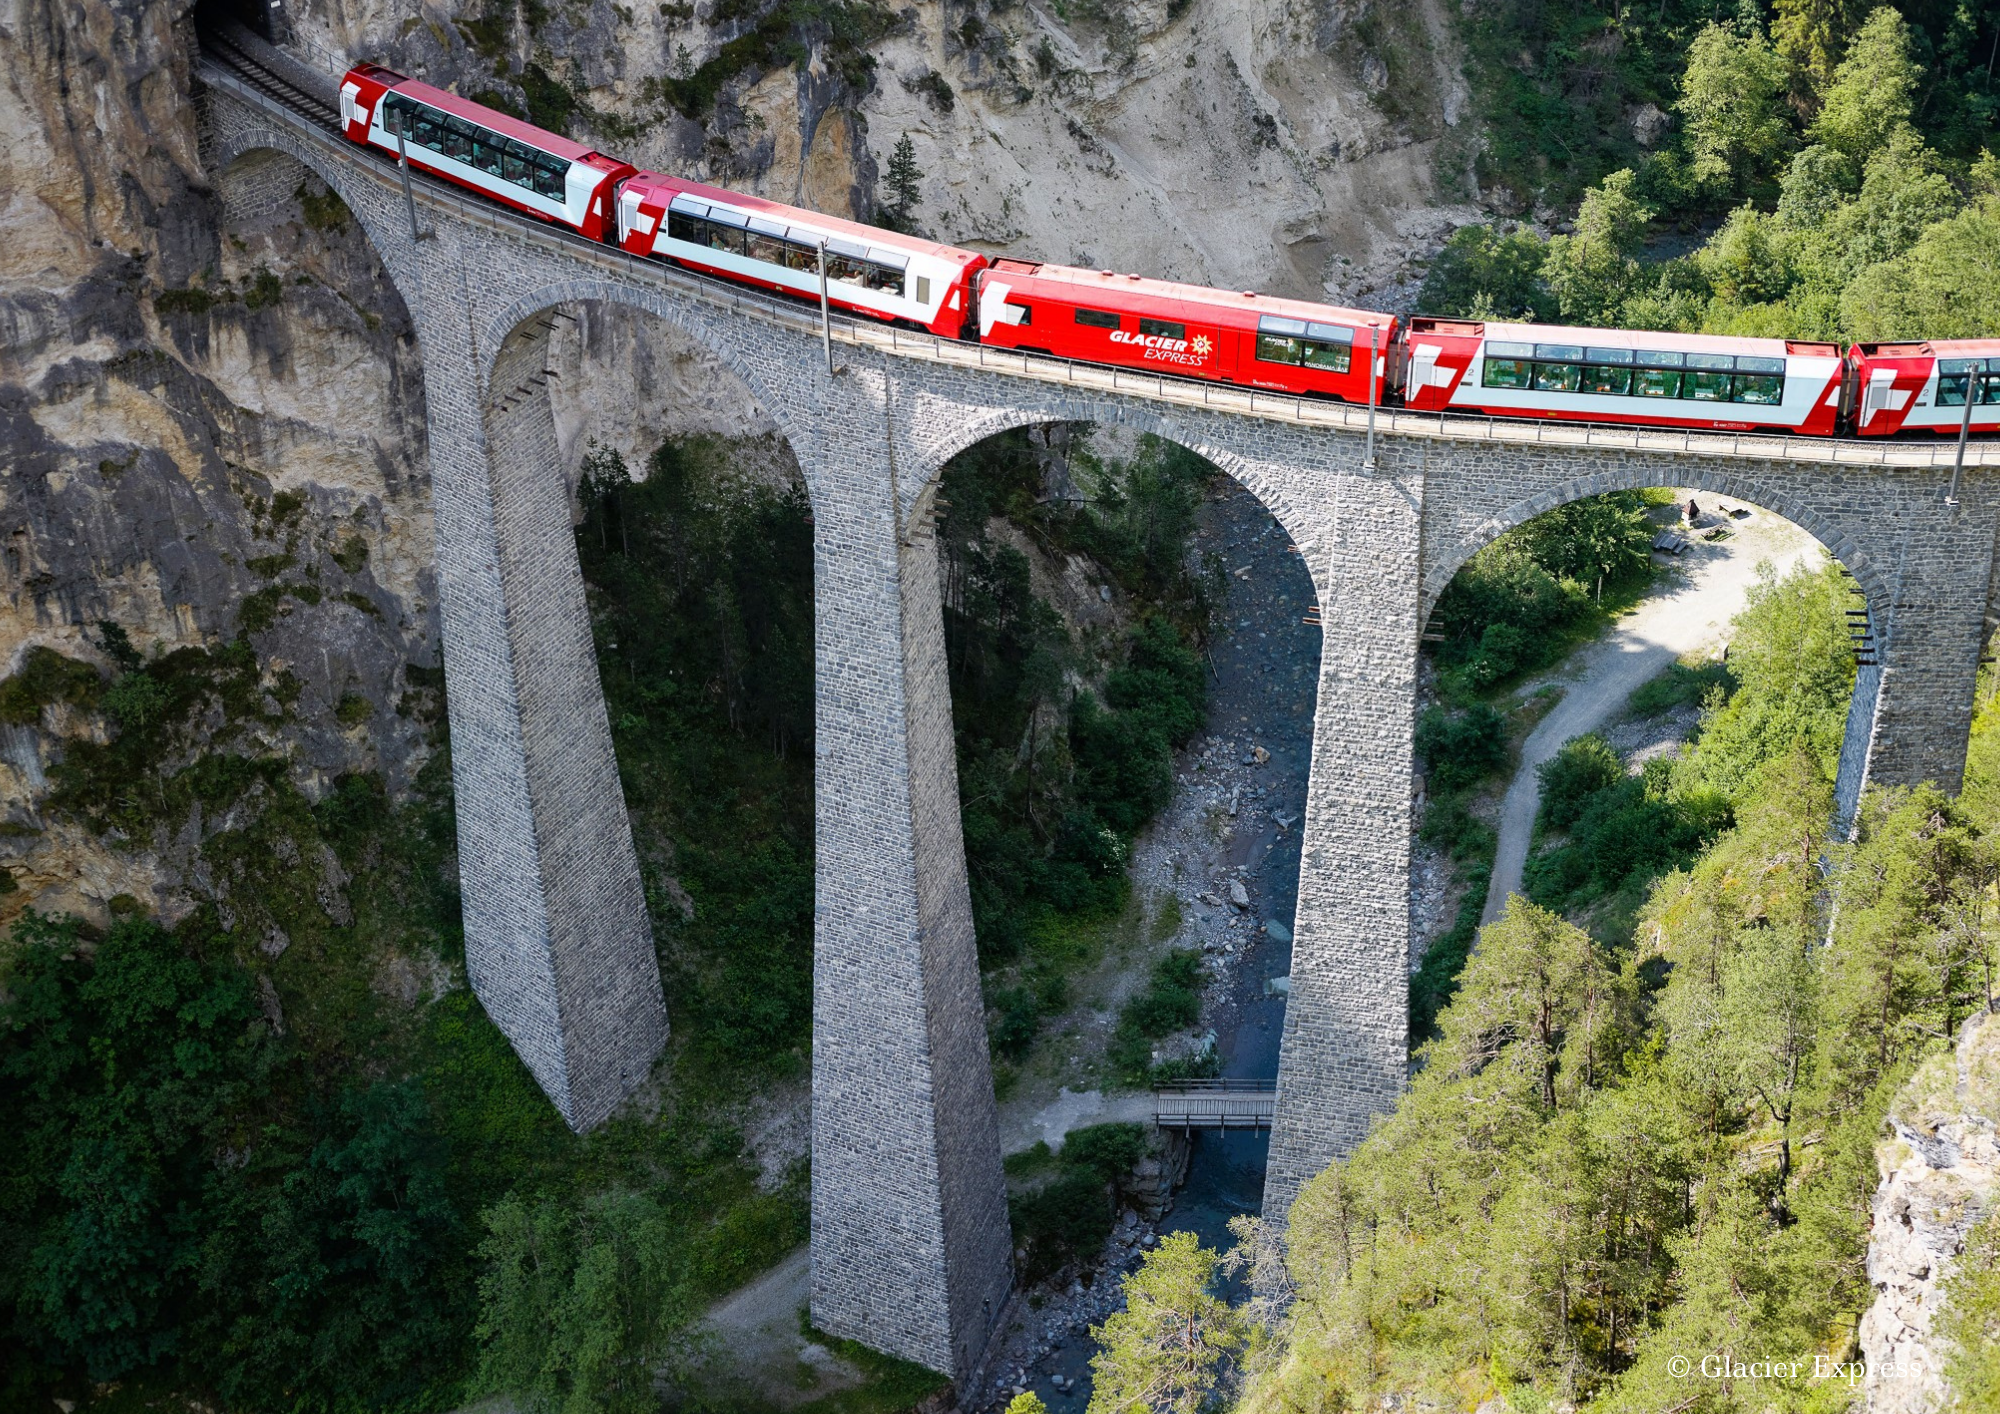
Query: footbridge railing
(1214, 1104)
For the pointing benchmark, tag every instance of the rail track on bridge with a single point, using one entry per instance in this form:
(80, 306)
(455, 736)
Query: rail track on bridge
(227, 64)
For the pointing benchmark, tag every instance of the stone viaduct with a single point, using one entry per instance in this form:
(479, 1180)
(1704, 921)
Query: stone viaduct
(910, 1245)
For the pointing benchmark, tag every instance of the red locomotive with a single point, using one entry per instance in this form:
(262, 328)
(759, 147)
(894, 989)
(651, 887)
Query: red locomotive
(1186, 331)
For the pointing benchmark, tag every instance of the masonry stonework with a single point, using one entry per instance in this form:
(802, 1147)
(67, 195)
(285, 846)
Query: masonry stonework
(909, 1228)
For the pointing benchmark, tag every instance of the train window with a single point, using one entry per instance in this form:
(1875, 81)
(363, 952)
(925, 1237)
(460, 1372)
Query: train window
(552, 181)
(1276, 348)
(1655, 358)
(683, 227)
(1101, 319)
(1331, 358)
(881, 277)
(846, 270)
(1559, 353)
(1163, 328)
(768, 249)
(515, 169)
(801, 257)
(1768, 388)
(427, 131)
(458, 135)
(1507, 372)
(1598, 378)
(1557, 377)
(1499, 350)
(1656, 382)
(1603, 356)
(1717, 362)
(1705, 385)
(1954, 374)
(923, 289)
(486, 154)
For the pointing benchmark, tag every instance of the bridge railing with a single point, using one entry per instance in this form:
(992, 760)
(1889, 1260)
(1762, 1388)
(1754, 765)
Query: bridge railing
(1178, 392)
(1214, 1104)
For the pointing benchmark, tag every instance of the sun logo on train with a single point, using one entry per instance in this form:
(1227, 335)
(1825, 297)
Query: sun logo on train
(1202, 345)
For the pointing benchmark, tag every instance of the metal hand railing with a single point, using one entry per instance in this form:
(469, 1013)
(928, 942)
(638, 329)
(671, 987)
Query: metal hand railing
(1042, 368)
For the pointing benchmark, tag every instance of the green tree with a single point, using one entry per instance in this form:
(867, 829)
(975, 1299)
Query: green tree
(1597, 539)
(1164, 1352)
(1730, 106)
(1027, 1402)
(580, 1310)
(1873, 93)
(1487, 273)
(905, 182)
(1812, 35)
(1968, 1321)
(1946, 286)
(1592, 270)
(1746, 262)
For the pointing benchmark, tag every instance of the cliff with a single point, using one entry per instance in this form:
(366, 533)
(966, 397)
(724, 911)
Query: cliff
(1940, 1179)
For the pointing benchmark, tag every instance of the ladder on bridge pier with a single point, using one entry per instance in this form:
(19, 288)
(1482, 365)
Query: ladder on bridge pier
(1214, 1104)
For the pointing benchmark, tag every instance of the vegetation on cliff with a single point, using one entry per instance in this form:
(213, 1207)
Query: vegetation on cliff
(1619, 1151)
(1837, 156)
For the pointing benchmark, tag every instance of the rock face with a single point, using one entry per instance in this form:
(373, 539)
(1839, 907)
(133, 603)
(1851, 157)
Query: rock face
(1290, 146)
(211, 425)
(1940, 1177)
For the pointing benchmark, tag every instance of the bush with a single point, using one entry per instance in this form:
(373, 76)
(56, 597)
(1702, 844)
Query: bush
(1171, 1002)
(1582, 767)
(1068, 1218)
(1461, 749)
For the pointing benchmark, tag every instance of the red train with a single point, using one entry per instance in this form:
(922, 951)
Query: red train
(1101, 316)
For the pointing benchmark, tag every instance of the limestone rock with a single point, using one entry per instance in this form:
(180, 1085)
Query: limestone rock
(1940, 1177)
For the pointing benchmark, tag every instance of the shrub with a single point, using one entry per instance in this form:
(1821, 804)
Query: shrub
(1582, 767)
(1461, 749)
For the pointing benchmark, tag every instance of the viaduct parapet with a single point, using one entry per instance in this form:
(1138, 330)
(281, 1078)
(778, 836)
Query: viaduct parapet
(910, 1243)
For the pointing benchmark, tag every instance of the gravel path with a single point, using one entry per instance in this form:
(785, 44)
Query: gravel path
(1691, 611)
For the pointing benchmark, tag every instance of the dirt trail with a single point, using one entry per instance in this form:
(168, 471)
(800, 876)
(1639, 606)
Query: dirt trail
(1692, 611)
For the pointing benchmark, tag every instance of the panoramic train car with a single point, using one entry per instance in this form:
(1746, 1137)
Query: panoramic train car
(1923, 386)
(1611, 375)
(1255, 340)
(756, 242)
(474, 146)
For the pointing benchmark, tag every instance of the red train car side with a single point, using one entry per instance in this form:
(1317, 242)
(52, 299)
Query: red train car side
(1923, 386)
(560, 181)
(1186, 330)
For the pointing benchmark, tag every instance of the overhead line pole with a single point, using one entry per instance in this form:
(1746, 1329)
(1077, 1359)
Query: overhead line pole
(1975, 382)
(403, 167)
(825, 313)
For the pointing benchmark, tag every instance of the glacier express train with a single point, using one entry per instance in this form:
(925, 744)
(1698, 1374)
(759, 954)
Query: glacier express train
(1488, 368)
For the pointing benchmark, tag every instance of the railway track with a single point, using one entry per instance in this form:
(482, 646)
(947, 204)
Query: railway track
(217, 44)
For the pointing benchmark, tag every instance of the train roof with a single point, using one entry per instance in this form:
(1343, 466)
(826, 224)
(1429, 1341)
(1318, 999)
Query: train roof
(490, 118)
(1932, 348)
(798, 215)
(1139, 294)
(1619, 338)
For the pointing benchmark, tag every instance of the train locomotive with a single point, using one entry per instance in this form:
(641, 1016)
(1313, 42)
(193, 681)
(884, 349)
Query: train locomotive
(1480, 367)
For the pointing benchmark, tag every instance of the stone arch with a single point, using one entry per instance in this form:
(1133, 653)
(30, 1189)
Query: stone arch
(962, 433)
(679, 314)
(1703, 476)
(395, 256)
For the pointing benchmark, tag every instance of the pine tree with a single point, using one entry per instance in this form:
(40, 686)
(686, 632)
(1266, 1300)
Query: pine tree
(1164, 1351)
(904, 180)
